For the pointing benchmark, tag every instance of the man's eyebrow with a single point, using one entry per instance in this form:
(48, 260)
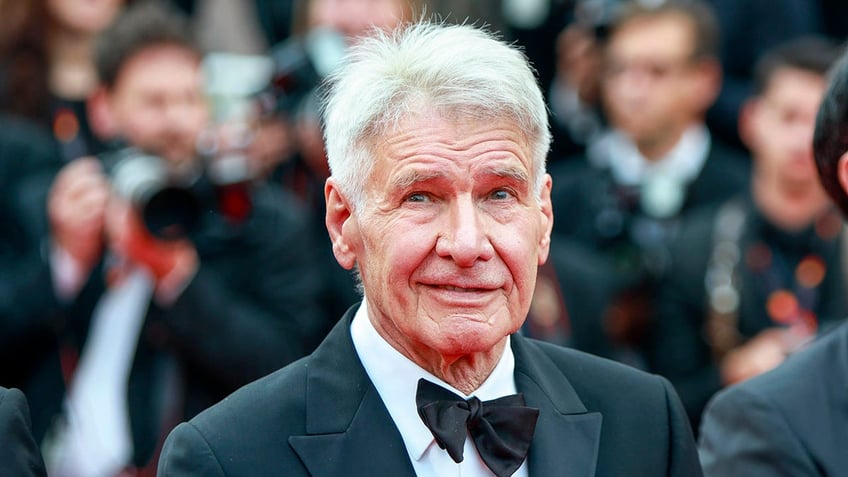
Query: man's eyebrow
(413, 177)
(515, 173)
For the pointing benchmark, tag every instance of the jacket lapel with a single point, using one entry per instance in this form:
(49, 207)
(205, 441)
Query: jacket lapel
(349, 432)
(567, 436)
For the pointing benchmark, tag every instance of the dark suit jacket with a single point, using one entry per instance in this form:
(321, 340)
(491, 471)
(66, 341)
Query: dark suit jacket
(19, 454)
(321, 416)
(792, 421)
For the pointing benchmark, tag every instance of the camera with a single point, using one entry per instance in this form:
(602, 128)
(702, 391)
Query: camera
(169, 206)
(172, 205)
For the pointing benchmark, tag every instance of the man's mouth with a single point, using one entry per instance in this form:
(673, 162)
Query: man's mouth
(460, 289)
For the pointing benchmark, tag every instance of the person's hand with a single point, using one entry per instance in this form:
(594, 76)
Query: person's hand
(762, 353)
(76, 209)
(171, 262)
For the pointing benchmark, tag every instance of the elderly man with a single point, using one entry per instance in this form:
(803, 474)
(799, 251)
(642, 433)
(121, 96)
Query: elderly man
(436, 137)
(793, 420)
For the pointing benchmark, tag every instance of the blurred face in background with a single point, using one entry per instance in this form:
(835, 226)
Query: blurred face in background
(778, 129)
(653, 88)
(157, 102)
(353, 18)
(83, 16)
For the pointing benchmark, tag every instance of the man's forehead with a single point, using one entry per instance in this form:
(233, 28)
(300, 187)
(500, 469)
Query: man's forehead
(655, 31)
(138, 65)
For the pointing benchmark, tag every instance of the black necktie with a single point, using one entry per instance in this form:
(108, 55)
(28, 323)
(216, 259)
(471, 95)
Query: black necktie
(501, 428)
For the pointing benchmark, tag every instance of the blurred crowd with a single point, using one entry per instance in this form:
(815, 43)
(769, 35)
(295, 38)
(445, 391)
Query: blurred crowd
(162, 237)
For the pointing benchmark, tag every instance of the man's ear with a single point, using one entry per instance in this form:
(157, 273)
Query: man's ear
(341, 224)
(100, 115)
(842, 172)
(547, 220)
(706, 82)
(748, 121)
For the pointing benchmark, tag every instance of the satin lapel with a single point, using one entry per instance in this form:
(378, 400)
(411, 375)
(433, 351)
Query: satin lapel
(349, 430)
(567, 436)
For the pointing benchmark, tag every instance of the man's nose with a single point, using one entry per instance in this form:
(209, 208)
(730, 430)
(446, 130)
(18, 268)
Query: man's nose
(465, 238)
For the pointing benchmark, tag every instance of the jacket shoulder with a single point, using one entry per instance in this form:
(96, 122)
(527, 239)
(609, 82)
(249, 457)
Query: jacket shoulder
(597, 376)
(270, 408)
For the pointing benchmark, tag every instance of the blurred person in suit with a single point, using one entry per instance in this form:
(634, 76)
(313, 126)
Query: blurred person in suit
(436, 137)
(753, 280)
(655, 163)
(156, 323)
(793, 420)
(19, 454)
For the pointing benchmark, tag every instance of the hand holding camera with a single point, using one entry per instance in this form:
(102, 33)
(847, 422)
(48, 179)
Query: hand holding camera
(171, 262)
(90, 212)
(76, 210)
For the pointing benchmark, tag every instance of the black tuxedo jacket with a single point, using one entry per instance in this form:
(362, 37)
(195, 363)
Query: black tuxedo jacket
(19, 454)
(792, 421)
(321, 416)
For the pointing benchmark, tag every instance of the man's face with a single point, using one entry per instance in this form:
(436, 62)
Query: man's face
(778, 128)
(450, 235)
(157, 102)
(650, 82)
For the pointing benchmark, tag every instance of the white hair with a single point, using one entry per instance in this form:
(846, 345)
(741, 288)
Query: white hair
(459, 69)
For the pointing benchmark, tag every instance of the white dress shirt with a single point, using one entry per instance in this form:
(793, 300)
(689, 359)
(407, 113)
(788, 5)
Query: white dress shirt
(95, 439)
(396, 379)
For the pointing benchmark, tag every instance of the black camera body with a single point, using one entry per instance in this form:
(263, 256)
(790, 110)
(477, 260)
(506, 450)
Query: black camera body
(169, 206)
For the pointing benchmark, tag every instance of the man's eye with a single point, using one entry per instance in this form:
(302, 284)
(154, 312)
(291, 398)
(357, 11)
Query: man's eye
(417, 197)
(500, 194)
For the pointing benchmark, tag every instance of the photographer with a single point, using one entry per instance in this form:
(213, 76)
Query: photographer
(156, 329)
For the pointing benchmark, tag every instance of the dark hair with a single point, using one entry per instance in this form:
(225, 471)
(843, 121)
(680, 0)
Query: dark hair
(23, 59)
(830, 139)
(143, 25)
(700, 14)
(813, 54)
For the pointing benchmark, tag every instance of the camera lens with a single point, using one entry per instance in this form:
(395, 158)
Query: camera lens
(169, 210)
(171, 213)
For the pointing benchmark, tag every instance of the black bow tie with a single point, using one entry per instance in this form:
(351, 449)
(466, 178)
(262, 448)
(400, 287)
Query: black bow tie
(501, 428)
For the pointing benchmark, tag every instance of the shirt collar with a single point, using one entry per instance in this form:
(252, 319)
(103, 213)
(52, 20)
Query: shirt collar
(396, 379)
(682, 164)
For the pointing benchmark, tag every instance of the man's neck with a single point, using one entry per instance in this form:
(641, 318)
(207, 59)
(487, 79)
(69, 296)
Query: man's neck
(656, 149)
(465, 372)
(788, 207)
